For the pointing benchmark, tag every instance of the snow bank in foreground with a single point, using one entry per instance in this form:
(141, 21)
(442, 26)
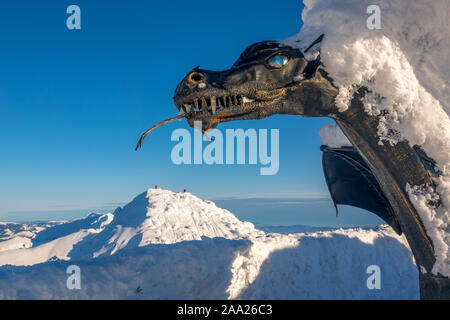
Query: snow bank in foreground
(406, 67)
(166, 245)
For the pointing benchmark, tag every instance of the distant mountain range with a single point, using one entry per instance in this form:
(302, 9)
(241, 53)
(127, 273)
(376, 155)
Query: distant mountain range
(175, 245)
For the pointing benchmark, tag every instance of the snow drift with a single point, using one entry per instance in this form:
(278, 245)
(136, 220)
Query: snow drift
(406, 67)
(166, 245)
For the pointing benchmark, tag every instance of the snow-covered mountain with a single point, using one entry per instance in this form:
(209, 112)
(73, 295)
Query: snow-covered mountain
(166, 245)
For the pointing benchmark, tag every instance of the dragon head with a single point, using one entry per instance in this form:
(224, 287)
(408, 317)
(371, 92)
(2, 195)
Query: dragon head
(268, 78)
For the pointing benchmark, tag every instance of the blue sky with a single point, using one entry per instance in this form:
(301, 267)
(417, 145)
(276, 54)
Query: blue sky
(74, 102)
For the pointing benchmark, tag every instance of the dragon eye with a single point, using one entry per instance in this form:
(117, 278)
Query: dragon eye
(277, 61)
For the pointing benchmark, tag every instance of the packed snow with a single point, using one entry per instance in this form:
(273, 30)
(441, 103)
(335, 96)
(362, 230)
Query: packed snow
(167, 245)
(406, 67)
(332, 136)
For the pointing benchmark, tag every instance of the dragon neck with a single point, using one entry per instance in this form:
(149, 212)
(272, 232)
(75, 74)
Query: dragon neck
(394, 167)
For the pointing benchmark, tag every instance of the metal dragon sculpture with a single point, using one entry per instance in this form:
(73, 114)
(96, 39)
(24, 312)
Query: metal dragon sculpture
(274, 78)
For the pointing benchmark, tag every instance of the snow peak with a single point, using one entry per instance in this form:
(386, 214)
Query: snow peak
(201, 311)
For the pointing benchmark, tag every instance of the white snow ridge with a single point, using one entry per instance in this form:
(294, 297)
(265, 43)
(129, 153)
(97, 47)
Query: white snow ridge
(166, 245)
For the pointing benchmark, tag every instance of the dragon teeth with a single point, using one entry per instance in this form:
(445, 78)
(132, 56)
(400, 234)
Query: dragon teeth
(213, 105)
(204, 104)
(186, 108)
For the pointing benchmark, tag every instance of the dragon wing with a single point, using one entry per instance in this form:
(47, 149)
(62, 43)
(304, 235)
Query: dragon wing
(351, 182)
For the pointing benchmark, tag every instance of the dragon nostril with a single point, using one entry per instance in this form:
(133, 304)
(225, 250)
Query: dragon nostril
(195, 77)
